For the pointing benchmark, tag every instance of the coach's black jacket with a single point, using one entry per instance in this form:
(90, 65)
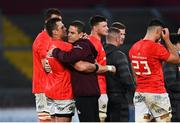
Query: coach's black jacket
(172, 81)
(122, 82)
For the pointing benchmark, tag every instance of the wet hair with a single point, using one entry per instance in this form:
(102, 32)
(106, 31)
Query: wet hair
(51, 25)
(175, 38)
(94, 20)
(79, 24)
(118, 25)
(49, 12)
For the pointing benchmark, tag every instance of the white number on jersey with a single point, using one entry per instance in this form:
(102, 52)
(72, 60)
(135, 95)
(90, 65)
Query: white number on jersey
(136, 65)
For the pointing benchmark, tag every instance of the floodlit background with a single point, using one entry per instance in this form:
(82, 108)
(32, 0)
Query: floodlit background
(22, 20)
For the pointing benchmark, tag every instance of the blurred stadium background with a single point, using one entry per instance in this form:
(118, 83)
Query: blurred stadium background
(22, 20)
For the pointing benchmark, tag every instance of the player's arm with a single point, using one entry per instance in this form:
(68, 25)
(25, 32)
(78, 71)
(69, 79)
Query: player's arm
(77, 53)
(42, 51)
(89, 67)
(46, 65)
(173, 57)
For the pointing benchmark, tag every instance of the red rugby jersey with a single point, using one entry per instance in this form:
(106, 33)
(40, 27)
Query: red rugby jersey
(39, 50)
(146, 58)
(101, 59)
(59, 85)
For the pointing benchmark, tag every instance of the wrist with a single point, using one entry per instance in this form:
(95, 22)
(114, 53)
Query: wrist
(97, 67)
(109, 68)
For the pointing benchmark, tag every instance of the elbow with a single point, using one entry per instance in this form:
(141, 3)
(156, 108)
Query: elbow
(79, 67)
(173, 59)
(177, 60)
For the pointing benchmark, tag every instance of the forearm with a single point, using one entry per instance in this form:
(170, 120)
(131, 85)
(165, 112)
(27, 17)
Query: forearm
(171, 48)
(86, 67)
(89, 67)
(66, 57)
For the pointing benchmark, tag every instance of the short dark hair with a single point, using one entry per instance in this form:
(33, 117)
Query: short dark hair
(51, 11)
(94, 20)
(175, 38)
(156, 22)
(118, 25)
(113, 32)
(51, 25)
(79, 24)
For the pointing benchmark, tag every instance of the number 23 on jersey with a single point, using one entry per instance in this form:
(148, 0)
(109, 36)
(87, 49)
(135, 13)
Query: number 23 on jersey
(141, 67)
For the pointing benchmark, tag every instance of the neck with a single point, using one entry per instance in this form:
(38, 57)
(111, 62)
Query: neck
(149, 37)
(95, 34)
(112, 43)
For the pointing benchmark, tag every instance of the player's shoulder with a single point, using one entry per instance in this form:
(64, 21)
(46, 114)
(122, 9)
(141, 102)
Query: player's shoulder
(42, 36)
(65, 45)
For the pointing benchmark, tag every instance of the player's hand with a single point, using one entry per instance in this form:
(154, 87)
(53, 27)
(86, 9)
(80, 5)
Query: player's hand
(51, 51)
(46, 65)
(165, 34)
(111, 68)
(103, 100)
(85, 36)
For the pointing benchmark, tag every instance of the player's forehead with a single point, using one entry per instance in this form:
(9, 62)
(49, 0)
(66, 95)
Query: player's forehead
(103, 23)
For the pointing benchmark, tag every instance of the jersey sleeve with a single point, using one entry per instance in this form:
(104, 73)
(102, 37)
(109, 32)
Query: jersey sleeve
(42, 47)
(161, 52)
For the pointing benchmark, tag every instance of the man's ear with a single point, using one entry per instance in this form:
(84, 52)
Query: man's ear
(94, 28)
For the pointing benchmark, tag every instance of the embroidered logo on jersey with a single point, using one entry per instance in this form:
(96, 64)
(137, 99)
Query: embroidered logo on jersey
(139, 98)
(103, 106)
(40, 106)
(79, 47)
(71, 108)
(60, 108)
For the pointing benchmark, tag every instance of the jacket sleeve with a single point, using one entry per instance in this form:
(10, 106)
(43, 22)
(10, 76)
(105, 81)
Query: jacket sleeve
(77, 53)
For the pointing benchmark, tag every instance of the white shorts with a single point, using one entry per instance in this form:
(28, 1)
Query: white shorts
(61, 106)
(151, 104)
(41, 102)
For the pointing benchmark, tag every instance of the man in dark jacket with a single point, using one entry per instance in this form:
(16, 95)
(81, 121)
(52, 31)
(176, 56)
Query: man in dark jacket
(117, 84)
(172, 81)
(85, 85)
